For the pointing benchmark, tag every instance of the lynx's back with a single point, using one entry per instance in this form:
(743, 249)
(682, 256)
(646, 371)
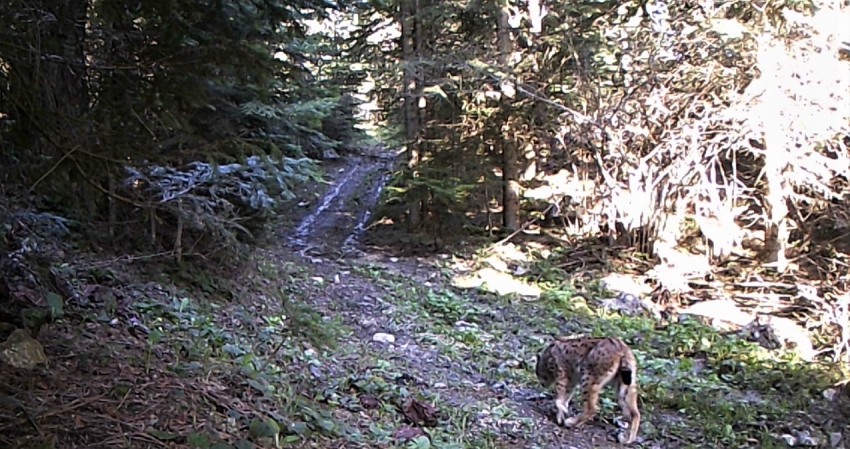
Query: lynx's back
(563, 355)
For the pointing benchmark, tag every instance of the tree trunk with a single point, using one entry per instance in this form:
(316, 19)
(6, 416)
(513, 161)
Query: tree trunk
(49, 86)
(503, 32)
(535, 16)
(510, 170)
(409, 46)
(510, 184)
(776, 161)
(776, 231)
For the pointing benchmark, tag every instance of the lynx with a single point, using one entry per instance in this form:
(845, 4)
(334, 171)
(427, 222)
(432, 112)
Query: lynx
(593, 362)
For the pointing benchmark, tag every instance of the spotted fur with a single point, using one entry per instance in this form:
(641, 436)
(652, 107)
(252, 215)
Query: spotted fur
(591, 362)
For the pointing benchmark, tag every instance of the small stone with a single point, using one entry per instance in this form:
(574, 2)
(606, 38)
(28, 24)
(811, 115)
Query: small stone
(315, 371)
(830, 393)
(381, 337)
(835, 439)
(22, 351)
(789, 440)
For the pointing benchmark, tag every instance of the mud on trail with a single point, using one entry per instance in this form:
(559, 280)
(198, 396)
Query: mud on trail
(337, 218)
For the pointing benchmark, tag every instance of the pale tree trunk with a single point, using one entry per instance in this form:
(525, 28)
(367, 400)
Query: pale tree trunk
(409, 92)
(510, 185)
(776, 231)
(536, 11)
(777, 157)
(510, 170)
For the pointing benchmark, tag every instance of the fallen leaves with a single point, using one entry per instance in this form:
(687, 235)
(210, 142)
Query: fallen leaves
(420, 413)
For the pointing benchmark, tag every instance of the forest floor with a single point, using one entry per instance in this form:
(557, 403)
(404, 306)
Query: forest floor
(325, 342)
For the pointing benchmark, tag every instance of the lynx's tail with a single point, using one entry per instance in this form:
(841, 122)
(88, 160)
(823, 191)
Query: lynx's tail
(625, 371)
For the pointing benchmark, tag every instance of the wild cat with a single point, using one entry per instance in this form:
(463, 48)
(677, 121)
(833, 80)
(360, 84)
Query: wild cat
(592, 362)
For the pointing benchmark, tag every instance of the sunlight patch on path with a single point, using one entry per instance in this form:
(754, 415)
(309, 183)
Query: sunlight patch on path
(491, 280)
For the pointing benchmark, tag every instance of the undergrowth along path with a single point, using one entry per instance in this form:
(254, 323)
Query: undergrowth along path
(406, 335)
(319, 345)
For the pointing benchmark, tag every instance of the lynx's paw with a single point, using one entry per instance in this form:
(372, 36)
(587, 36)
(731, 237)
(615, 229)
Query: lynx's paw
(560, 417)
(570, 422)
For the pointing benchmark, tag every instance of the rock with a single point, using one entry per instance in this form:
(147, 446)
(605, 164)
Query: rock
(22, 351)
(630, 304)
(835, 439)
(830, 393)
(773, 332)
(381, 337)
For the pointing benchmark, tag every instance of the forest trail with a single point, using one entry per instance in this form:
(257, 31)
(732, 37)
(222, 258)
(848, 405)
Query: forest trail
(328, 343)
(338, 218)
(469, 357)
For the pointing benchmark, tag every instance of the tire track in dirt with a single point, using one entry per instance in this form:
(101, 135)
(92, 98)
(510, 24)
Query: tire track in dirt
(344, 210)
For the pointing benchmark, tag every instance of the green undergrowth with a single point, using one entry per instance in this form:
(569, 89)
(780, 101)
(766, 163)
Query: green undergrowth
(313, 381)
(264, 347)
(698, 388)
(703, 388)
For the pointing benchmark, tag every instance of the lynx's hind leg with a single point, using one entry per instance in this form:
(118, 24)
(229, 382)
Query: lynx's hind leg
(627, 396)
(627, 399)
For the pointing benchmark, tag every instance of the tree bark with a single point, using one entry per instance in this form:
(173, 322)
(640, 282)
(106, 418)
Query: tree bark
(535, 16)
(510, 170)
(510, 184)
(409, 47)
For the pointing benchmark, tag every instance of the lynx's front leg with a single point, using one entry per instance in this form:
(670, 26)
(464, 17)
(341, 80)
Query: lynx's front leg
(563, 394)
(589, 397)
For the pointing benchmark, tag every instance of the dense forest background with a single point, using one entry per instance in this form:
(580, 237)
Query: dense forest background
(700, 144)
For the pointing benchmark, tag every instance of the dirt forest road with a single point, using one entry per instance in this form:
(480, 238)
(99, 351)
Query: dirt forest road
(405, 330)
